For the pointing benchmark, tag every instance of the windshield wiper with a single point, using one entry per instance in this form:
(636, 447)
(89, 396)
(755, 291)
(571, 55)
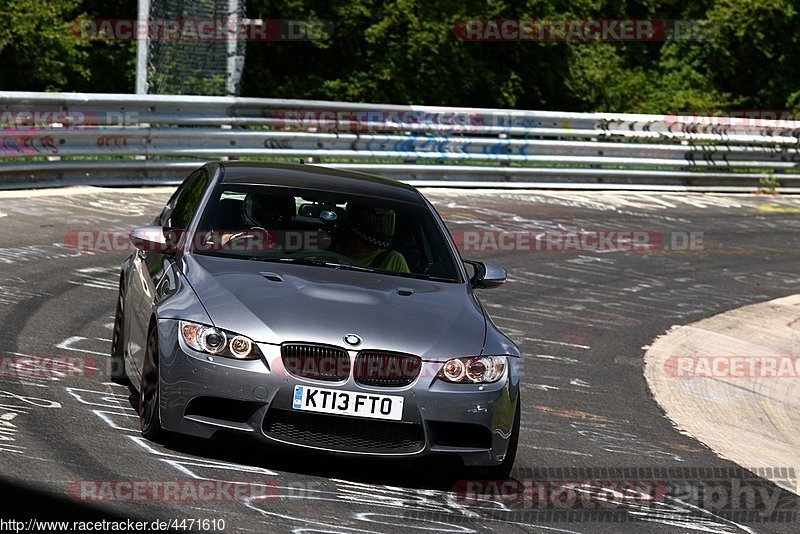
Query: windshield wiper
(316, 262)
(425, 276)
(347, 267)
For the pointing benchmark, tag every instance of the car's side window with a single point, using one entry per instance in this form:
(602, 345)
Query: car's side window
(163, 217)
(180, 208)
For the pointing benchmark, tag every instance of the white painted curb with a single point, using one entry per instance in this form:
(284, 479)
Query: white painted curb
(739, 407)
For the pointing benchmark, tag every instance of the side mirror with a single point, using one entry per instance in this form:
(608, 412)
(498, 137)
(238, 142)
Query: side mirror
(154, 239)
(487, 274)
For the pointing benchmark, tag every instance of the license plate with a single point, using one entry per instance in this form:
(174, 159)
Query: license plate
(351, 403)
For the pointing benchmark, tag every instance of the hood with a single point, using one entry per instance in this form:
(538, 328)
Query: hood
(277, 302)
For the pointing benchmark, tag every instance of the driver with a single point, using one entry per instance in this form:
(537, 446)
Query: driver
(370, 241)
(263, 215)
(268, 211)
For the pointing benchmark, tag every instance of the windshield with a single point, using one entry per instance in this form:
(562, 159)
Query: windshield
(333, 230)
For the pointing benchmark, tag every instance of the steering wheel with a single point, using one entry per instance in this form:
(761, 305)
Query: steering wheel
(254, 233)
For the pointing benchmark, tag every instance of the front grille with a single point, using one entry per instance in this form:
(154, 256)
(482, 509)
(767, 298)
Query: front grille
(386, 369)
(343, 433)
(320, 362)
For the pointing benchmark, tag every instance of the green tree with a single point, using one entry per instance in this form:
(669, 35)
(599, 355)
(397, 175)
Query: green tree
(406, 52)
(37, 52)
(111, 64)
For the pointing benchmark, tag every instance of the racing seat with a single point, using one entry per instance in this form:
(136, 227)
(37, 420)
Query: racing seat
(405, 242)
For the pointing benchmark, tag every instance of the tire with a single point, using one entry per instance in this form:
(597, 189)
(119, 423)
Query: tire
(117, 360)
(502, 471)
(149, 416)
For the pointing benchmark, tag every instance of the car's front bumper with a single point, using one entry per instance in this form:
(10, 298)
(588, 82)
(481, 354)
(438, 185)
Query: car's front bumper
(202, 394)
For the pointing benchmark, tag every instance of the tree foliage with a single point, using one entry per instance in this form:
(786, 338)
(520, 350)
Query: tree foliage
(406, 51)
(36, 50)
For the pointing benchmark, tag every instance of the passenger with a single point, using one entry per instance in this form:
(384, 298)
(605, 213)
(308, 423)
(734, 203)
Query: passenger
(371, 231)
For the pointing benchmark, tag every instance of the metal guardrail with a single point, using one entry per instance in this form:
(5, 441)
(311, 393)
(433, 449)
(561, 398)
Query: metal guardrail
(59, 138)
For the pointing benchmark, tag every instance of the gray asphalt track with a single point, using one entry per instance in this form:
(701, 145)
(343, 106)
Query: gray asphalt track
(581, 319)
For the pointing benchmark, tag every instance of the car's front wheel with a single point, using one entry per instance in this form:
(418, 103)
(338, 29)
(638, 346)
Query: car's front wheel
(149, 416)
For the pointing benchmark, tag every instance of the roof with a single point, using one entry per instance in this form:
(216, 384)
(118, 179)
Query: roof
(317, 177)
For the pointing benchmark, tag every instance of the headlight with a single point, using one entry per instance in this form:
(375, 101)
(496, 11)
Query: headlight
(473, 370)
(212, 340)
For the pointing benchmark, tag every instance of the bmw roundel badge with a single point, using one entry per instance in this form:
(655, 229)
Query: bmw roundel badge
(352, 340)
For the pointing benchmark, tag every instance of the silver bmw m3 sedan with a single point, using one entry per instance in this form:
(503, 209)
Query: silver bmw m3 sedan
(315, 308)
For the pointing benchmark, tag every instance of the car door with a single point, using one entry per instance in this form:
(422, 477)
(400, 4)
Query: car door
(149, 267)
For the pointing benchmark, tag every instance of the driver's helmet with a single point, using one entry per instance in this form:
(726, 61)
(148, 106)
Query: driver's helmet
(374, 226)
(267, 211)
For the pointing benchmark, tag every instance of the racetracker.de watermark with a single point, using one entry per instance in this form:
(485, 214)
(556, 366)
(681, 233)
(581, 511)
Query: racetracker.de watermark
(198, 30)
(179, 490)
(378, 120)
(23, 367)
(576, 241)
(27, 121)
(634, 493)
(577, 30)
(235, 240)
(733, 366)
